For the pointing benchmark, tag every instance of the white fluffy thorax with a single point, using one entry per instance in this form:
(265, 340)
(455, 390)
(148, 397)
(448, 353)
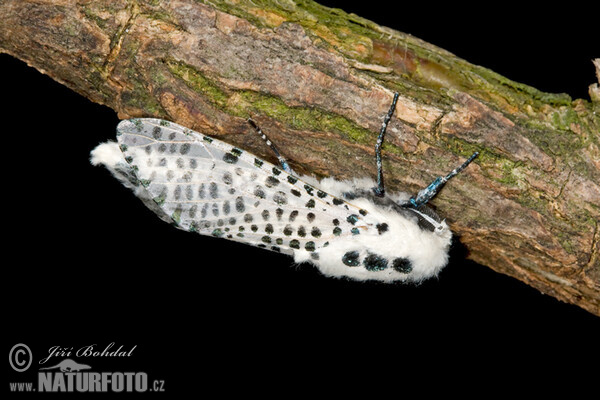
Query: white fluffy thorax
(426, 251)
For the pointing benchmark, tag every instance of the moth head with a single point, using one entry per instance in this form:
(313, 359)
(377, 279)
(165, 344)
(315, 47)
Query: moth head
(425, 217)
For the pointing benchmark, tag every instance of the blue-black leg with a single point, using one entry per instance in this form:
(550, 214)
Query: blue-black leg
(284, 165)
(430, 191)
(380, 189)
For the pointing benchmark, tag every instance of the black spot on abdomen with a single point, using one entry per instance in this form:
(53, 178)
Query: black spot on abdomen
(382, 228)
(373, 262)
(402, 265)
(351, 258)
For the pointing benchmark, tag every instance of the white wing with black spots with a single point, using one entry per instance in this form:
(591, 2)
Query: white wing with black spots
(213, 188)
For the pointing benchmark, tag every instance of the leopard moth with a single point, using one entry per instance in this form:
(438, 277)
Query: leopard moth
(348, 229)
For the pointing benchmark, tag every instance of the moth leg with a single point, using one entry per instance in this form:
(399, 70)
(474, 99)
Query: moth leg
(430, 191)
(380, 189)
(282, 161)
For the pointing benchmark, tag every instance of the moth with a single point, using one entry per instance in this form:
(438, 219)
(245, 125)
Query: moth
(351, 229)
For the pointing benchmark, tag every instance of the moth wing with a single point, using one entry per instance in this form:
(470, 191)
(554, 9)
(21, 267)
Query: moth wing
(213, 188)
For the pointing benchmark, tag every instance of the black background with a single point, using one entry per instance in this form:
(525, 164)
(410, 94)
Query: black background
(86, 262)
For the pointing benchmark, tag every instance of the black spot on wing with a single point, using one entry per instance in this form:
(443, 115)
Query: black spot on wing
(269, 229)
(259, 192)
(227, 178)
(271, 181)
(230, 158)
(184, 149)
(280, 198)
(266, 239)
(213, 190)
(239, 204)
(265, 214)
(301, 231)
(279, 213)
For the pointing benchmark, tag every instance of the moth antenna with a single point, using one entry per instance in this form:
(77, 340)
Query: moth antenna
(430, 191)
(282, 160)
(380, 189)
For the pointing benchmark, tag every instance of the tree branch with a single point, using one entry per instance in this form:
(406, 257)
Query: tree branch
(318, 81)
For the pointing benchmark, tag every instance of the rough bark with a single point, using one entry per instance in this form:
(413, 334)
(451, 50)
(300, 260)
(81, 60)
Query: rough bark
(318, 81)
